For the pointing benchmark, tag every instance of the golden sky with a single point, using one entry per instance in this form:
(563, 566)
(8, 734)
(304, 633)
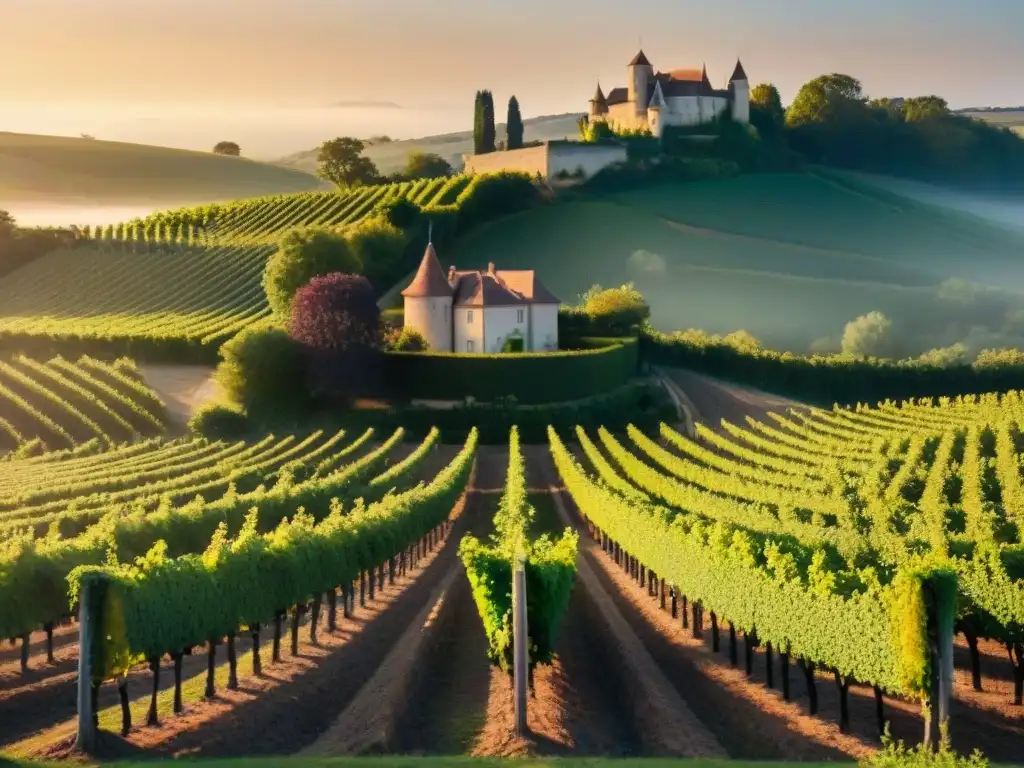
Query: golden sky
(439, 52)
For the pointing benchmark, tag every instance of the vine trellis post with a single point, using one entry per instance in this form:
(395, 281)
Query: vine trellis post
(520, 644)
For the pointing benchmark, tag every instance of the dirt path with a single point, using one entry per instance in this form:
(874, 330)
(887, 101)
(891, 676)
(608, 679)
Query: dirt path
(711, 400)
(183, 388)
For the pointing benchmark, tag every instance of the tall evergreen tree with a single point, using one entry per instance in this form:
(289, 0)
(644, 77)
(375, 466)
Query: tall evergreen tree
(478, 124)
(489, 132)
(514, 125)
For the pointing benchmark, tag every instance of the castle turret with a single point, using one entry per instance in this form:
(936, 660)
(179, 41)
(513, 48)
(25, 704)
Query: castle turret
(428, 303)
(598, 104)
(640, 75)
(739, 92)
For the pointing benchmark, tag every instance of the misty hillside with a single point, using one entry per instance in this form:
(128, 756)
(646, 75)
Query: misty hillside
(390, 156)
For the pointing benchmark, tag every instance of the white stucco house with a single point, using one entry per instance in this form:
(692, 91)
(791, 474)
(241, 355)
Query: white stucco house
(653, 100)
(470, 311)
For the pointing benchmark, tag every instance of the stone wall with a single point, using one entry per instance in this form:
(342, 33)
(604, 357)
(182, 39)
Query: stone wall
(591, 158)
(549, 159)
(531, 160)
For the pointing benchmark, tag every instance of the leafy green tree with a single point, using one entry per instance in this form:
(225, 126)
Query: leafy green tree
(828, 98)
(7, 224)
(514, 125)
(478, 124)
(869, 335)
(302, 255)
(426, 165)
(341, 162)
(227, 148)
(766, 112)
(920, 108)
(262, 369)
(378, 246)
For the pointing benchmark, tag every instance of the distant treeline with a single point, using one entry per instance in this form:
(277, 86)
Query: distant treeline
(989, 109)
(832, 121)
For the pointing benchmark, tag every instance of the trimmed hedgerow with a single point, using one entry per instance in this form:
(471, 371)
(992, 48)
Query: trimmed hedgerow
(530, 378)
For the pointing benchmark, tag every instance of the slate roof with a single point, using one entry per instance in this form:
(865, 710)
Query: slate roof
(640, 60)
(617, 96)
(739, 73)
(429, 280)
(678, 82)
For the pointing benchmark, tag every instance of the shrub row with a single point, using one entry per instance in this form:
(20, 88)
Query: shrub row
(829, 379)
(153, 349)
(641, 403)
(531, 378)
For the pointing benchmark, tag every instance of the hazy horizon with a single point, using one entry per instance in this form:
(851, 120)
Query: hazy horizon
(188, 73)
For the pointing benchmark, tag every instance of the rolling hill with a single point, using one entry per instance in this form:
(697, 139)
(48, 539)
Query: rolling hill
(53, 169)
(390, 156)
(789, 257)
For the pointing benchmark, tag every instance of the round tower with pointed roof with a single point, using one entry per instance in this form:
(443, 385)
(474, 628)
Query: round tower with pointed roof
(598, 104)
(428, 303)
(739, 93)
(641, 73)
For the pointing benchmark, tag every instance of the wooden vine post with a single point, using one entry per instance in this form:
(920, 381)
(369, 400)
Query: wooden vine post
(940, 683)
(85, 739)
(520, 644)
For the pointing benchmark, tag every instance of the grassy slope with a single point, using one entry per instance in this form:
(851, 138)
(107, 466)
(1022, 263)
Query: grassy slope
(790, 257)
(51, 169)
(390, 157)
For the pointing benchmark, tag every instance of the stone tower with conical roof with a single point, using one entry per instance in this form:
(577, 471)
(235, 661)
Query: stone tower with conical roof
(428, 303)
(739, 92)
(641, 73)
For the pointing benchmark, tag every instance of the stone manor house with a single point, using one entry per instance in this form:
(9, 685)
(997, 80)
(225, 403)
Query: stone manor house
(471, 311)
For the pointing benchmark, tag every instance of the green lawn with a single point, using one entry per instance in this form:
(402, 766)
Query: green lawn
(52, 169)
(789, 257)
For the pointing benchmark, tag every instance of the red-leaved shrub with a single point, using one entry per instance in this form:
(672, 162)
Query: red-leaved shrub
(337, 321)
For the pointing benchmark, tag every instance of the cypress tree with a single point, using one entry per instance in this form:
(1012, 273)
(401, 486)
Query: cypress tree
(514, 125)
(489, 132)
(478, 124)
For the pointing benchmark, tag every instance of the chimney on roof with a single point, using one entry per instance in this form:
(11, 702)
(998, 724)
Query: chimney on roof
(490, 268)
(451, 274)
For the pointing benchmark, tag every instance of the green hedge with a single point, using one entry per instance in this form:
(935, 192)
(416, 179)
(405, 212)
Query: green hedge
(829, 379)
(640, 402)
(531, 378)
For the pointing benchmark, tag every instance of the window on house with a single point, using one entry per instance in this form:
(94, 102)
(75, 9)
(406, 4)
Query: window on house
(519, 315)
(469, 317)
(469, 345)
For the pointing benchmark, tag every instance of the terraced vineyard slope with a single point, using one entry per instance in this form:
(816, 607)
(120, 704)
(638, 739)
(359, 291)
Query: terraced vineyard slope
(843, 538)
(82, 407)
(178, 284)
